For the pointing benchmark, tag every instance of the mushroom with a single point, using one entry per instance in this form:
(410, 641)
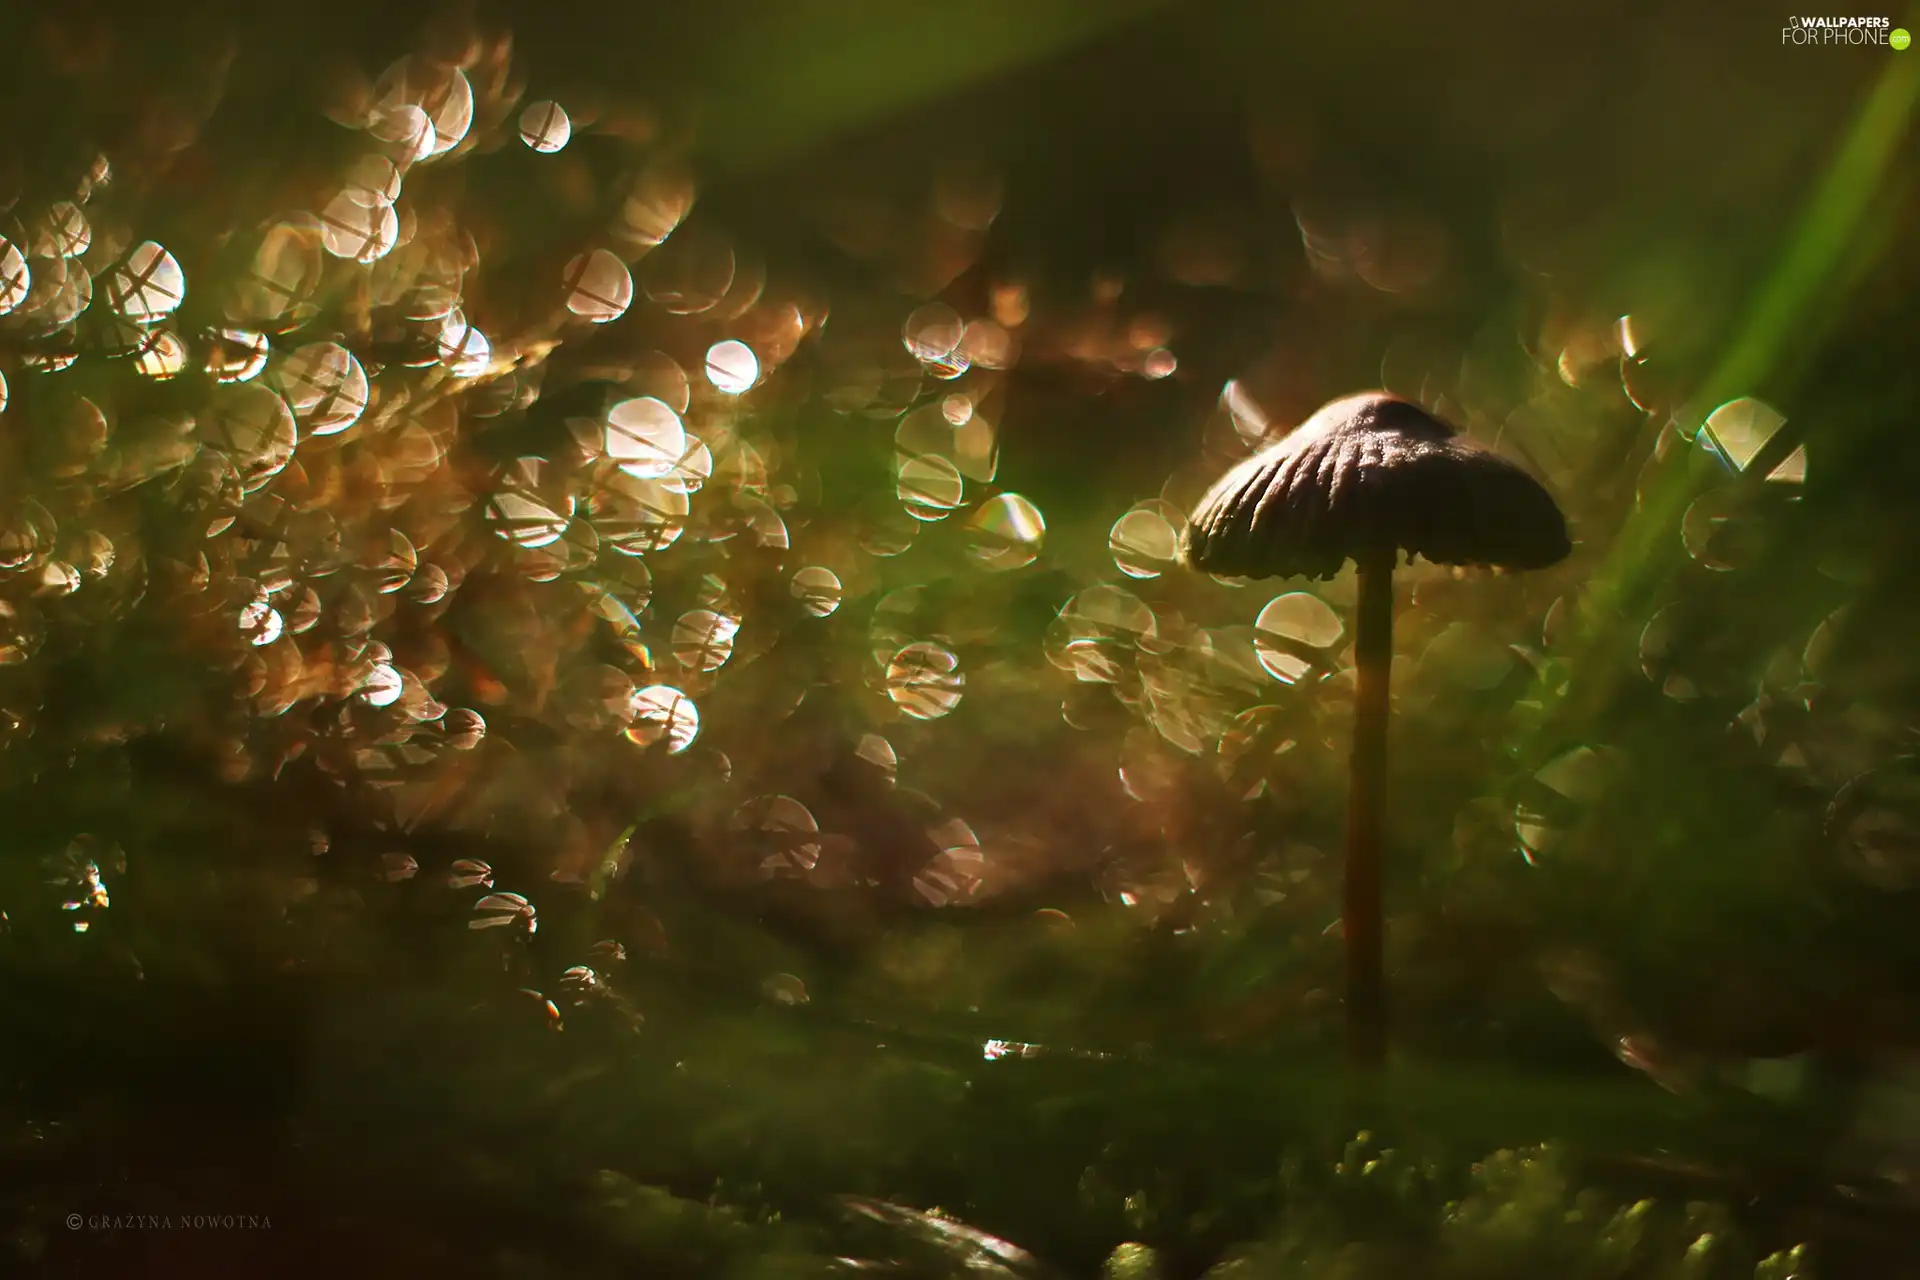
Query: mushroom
(1366, 477)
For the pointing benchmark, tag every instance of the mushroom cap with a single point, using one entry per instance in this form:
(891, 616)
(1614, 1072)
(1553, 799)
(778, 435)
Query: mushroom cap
(1367, 475)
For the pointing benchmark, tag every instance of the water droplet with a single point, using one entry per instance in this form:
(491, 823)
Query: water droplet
(929, 487)
(933, 333)
(255, 429)
(599, 287)
(237, 355)
(703, 639)
(1291, 623)
(780, 833)
(163, 355)
(527, 510)
(469, 873)
(62, 232)
(325, 385)
(16, 279)
(148, 286)
(636, 516)
(691, 273)
(260, 622)
(664, 715)
(645, 437)
(464, 350)
(818, 589)
(925, 681)
(784, 988)
(509, 911)
(383, 686)
(463, 728)
(732, 367)
(439, 92)
(356, 231)
(1721, 531)
(544, 126)
(1145, 542)
(1563, 790)
(1006, 532)
(1098, 632)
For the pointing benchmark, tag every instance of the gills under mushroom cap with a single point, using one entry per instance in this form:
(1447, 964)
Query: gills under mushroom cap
(1365, 476)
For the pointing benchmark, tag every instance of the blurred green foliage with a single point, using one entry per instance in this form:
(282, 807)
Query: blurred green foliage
(593, 679)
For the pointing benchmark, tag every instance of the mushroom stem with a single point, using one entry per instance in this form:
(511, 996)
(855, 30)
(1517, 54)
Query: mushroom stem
(1363, 926)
